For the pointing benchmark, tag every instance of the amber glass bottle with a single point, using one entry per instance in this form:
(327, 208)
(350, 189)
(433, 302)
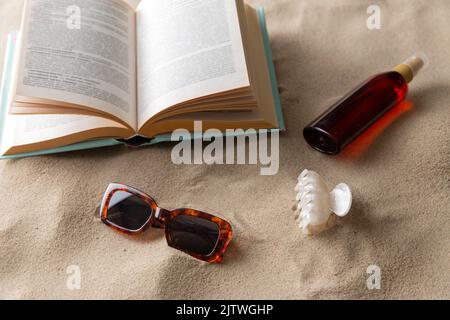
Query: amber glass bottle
(362, 107)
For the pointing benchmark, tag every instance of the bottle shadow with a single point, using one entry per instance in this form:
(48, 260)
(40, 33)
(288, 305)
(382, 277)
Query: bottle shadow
(361, 145)
(364, 147)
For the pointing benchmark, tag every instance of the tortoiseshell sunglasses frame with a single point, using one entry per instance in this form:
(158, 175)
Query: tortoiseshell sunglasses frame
(161, 218)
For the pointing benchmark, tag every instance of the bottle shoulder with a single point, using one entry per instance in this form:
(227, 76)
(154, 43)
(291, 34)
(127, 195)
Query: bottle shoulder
(391, 75)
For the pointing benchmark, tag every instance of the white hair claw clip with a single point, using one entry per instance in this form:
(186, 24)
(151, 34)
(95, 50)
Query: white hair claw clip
(316, 204)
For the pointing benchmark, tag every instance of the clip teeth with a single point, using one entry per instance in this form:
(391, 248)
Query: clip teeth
(315, 203)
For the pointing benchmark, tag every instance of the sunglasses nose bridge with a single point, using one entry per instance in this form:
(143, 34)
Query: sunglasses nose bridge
(159, 218)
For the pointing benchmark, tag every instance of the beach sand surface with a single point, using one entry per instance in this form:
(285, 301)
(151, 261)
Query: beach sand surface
(399, 172)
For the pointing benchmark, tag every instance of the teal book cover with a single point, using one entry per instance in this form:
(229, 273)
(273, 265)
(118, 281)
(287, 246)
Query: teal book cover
(93, 144)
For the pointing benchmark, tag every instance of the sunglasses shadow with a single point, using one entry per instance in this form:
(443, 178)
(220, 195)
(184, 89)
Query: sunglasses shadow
(149, 235)
(233, 254)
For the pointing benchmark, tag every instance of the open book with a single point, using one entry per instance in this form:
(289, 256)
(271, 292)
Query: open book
(123, 73)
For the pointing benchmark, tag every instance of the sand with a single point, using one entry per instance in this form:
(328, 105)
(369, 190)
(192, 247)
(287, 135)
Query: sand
(399, 172)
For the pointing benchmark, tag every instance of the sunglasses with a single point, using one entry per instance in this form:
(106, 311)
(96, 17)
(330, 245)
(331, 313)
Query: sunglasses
(199, 234)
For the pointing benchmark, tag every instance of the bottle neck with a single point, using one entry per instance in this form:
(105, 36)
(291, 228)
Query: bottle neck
(406, 72)
(412, 66)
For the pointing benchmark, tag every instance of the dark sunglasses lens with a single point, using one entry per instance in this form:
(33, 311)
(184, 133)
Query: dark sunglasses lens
(128, 211)
(193, 234)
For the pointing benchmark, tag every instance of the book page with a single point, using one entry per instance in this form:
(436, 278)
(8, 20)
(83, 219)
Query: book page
(186, 49)
(26, 133)
(80, 52)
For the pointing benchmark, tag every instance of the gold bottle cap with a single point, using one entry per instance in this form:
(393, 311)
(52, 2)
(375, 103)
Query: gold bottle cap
(412, 66)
